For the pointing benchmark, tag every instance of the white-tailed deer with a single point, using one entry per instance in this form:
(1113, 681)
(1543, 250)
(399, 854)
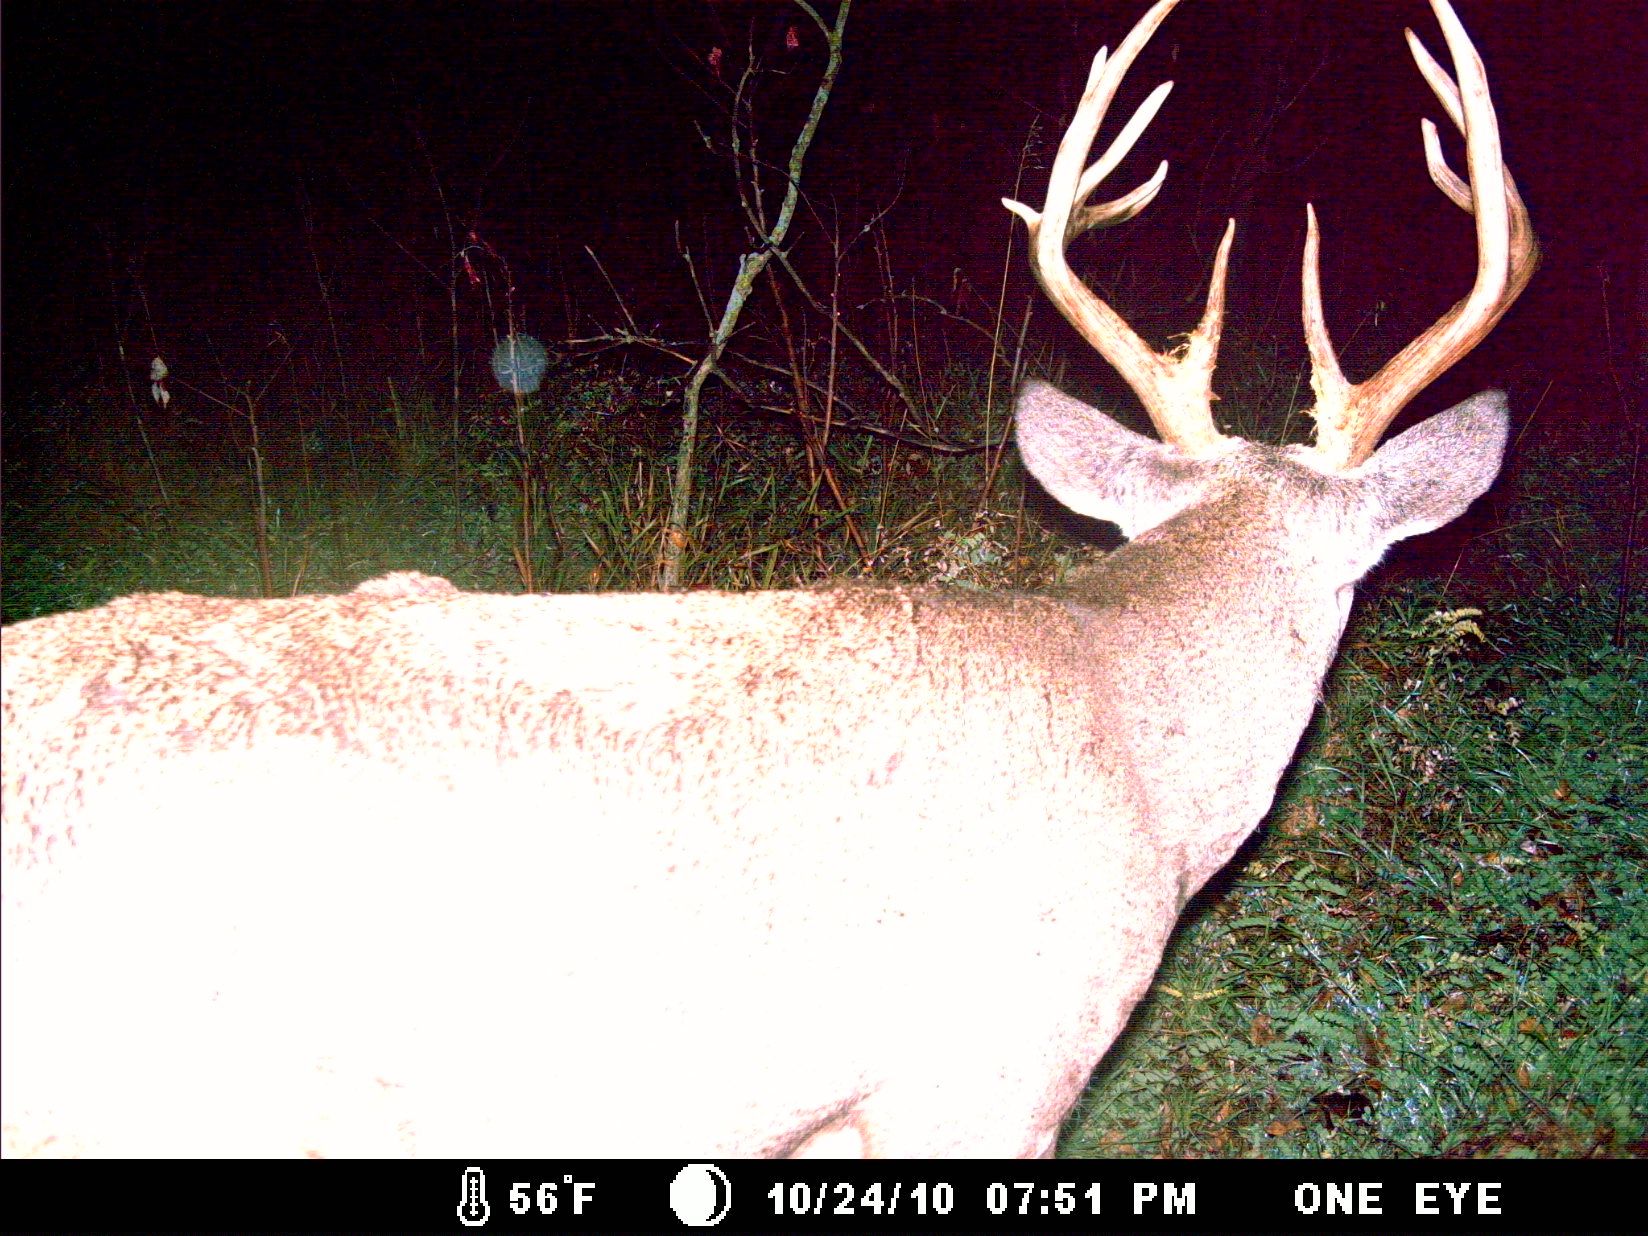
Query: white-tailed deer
(864, 868)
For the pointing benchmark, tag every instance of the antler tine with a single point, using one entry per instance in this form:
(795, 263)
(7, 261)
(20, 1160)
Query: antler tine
(1176, 389)
(1442, 176)
(1350, 418)
(1085, 217)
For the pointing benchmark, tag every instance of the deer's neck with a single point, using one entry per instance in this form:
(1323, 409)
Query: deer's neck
(1214, 650)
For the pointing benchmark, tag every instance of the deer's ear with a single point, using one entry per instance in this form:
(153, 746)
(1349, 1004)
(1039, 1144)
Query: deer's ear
(1428, 475)
(1099, 468)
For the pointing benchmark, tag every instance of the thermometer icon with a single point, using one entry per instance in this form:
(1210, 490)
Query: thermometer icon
(474, 1209)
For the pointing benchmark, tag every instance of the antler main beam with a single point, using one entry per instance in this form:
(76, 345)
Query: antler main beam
(1350, 417)
(1176, 388)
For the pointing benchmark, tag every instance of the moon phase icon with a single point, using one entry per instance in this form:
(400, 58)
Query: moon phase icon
(700, 1195)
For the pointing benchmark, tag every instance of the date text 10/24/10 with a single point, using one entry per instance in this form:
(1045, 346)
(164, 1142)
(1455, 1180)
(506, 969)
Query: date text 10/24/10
(1361, 1197)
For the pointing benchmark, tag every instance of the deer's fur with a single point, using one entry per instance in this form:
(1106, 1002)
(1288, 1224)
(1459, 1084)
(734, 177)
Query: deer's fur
(867, 869)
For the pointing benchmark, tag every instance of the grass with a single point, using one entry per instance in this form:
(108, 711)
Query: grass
(1439, 944)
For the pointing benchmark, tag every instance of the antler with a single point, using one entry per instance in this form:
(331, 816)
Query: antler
(1176, 388)
(1351, 417)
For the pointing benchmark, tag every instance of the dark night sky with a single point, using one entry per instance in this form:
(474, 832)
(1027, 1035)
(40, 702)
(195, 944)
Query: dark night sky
(199, 135)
